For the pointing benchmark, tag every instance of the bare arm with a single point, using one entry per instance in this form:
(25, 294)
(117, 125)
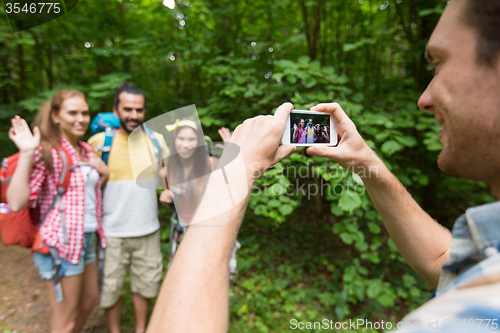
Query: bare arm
(423, 242)
(19, 190)
(194, 296)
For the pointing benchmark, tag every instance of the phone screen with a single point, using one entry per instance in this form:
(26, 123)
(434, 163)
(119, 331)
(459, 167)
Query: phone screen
(309, 128)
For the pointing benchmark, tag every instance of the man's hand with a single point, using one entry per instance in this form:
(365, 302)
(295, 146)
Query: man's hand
(423, 243)
(259, 139)
(194, 295)
(352, 152)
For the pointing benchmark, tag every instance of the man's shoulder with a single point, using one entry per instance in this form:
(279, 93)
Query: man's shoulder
(163, 144)
(158, 136)
(96, 139)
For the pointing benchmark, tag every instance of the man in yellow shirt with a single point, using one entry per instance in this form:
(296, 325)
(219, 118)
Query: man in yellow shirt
(310, 131)
(130, 214)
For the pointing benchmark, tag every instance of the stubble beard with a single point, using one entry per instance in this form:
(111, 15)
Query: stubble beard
(124, 125)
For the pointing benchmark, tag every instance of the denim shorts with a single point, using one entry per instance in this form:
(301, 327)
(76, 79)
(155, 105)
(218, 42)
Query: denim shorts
(88, 256)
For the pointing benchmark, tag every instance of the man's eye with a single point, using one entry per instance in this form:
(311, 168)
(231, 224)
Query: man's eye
(72, 113)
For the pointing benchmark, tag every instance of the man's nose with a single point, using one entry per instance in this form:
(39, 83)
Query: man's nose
(425, 102)
(134, 114)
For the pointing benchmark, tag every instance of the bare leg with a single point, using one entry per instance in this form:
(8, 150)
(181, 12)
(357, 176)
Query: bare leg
(89, 296)
(113, 316)
(141, 312)
(65, 313)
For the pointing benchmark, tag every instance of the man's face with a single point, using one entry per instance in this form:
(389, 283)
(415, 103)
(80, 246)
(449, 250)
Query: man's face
(465, 99)
(310, 122)
(130, 110)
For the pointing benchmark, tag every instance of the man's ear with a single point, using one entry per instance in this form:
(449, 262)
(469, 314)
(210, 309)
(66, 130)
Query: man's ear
(115, 111)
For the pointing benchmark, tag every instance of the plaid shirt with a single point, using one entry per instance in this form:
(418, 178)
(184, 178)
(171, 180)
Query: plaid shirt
(469, 287)
(43, 189)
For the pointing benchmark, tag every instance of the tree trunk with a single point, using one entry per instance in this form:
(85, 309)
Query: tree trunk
(22, 70)
(312, 32)
(49, 70)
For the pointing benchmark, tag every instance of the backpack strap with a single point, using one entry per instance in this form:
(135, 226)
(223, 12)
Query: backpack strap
(156, 144)
(109, 133)
(56, 273)
(62, 186)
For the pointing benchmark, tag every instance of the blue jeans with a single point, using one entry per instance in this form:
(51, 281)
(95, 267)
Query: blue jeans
(44, 261)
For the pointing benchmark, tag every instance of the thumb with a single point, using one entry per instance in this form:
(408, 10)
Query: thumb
(12, 133)
(284, 151)
(329, 152)
(36, 132)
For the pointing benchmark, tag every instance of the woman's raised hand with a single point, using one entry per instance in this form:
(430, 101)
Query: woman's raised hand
(225, 135)
(20, 134)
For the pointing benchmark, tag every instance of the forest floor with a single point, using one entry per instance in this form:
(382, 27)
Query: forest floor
(24, 304)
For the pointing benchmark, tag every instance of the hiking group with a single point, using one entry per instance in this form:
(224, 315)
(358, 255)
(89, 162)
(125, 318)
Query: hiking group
(98, 200)
(463, 265)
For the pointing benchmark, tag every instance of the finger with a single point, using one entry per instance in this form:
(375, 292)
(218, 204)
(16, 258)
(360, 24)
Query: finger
(329, 152)
(20, 125)
(36, 133)
(24, 125)
(227, 134)
(236, 133)
(15, 123)
(12, 133)
(224, 134)
(334, 109)
(283, 151)
(283, 112)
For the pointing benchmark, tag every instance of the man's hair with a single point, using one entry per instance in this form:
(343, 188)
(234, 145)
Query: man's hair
(484, 17)
(128, 88)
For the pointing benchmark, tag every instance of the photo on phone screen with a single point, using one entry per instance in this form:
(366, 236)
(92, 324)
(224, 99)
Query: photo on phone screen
(307, 128)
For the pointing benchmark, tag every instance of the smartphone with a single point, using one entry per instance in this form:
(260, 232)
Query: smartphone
(310, 128)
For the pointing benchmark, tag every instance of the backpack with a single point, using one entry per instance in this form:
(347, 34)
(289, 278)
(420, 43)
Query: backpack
(103, 121)
(21, 228)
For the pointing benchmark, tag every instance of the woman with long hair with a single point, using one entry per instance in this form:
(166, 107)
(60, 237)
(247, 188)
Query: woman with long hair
(299, 132)
(188, 165)
(68, 231)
